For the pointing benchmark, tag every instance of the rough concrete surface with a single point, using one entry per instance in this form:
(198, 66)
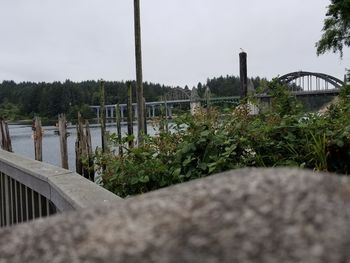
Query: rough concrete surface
(249, 215)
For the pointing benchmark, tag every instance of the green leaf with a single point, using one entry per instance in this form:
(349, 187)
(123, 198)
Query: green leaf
(177, 172)
(203, 166)
(144, 179)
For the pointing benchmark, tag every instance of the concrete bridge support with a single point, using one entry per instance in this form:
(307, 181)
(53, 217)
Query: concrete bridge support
(153, 111)
(122, 108)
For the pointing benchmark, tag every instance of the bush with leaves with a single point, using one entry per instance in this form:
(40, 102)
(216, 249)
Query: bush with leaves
(211, 142)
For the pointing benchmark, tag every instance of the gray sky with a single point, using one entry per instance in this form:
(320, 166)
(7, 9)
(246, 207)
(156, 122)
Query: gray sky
(183, 41)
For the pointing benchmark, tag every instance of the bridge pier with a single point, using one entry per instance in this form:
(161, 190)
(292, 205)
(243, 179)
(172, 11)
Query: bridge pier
(135, 112)
(122, 112)
(112, 111)
(153, 111)
(98, 114)
(169, 113)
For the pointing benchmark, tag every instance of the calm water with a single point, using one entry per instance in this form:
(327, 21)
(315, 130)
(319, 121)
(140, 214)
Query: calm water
(23, 144)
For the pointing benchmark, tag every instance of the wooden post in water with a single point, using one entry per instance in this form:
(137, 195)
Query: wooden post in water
(38, 139)
(5, 136)
(103, 116)
(129, 116)
(79, 146)
(88, 171)
(243, 74)
(119, 128)
(62, 130)
(83, 150)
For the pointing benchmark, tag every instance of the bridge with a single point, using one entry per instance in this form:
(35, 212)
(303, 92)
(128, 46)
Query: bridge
(302, 84)
(303, 81)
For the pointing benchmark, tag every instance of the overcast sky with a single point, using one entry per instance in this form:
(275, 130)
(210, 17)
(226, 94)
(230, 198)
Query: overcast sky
(183, 41)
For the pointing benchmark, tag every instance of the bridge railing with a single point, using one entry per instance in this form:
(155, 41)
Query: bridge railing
(30, 189)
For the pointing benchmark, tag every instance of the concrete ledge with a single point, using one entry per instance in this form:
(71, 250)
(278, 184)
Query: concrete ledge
(250, 215)
(65, 189)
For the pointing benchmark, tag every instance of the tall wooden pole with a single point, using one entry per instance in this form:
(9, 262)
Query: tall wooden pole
(138, 56)
(243, 74)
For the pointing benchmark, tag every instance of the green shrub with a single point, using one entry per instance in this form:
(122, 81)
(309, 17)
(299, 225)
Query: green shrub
(211, 142)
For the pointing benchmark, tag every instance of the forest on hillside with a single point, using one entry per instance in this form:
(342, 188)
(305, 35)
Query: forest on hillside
(25, 99)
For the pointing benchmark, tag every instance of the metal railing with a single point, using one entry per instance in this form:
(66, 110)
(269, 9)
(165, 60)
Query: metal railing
(30, 189)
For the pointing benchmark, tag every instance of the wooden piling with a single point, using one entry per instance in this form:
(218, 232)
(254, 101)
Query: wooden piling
(5, 136)
(129, 116)
(62, 129)
(79, 146)
(83, 150)
(243, 74)
(119, 129)
(103, 117)
(38, 139)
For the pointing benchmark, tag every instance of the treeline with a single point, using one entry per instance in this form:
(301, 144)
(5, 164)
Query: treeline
(227, 86)
(27, 99)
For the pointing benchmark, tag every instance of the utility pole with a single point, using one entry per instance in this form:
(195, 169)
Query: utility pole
(138, 56)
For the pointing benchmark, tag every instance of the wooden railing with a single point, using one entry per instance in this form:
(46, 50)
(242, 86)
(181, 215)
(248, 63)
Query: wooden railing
(30, 189)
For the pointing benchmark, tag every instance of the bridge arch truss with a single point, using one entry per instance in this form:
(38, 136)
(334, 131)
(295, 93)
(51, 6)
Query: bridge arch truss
(303, 81)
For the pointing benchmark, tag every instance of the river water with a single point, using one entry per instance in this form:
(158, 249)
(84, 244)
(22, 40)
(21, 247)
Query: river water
(23, 144)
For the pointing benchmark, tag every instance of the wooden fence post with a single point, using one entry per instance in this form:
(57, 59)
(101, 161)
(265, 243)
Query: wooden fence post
(38, 139)
(62, 129)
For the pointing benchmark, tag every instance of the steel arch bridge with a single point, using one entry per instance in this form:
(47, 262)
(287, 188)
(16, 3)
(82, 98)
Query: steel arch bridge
(178, 94)
(303, 81)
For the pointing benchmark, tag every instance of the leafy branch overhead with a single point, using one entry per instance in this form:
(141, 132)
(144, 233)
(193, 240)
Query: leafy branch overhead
(336, 29)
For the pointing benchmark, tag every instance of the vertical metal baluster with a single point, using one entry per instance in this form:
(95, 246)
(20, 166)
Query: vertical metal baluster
(33, 207)
(47, 207)
(11, 201)
(2, 199)
(39, 202)
(7, 201)
(16, 201)
(21, 201)
(27, 204)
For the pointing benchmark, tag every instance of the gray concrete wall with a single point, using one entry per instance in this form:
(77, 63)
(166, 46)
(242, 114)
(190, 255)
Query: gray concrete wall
(250, 215)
